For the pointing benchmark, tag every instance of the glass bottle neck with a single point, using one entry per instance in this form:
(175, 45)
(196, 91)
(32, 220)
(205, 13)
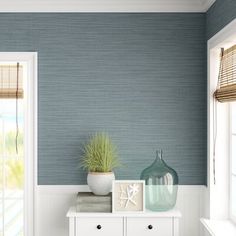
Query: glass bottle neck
(159, 156)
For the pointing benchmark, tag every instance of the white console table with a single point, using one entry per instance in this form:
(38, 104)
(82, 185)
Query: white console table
(124, 224)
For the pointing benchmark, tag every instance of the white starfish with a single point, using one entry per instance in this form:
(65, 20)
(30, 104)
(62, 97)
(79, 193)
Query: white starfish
(122, 192)
(131, 192)
(134, 188)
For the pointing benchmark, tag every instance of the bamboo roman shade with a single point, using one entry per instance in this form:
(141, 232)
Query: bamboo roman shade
(226, 91)
(11, 81)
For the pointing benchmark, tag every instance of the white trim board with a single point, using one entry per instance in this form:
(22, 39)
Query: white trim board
(105, 5)
(207, 4)
(219, 227)
(226, 36)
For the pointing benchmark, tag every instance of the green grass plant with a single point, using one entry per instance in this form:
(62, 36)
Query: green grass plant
(100, 154)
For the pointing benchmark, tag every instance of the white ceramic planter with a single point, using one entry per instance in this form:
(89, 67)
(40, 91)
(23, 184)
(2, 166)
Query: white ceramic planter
(100, 183)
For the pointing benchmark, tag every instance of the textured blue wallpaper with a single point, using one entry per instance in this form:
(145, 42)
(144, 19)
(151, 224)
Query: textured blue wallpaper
(219, 15)
(139, 77)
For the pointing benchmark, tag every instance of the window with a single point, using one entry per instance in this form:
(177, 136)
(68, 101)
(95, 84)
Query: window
(226, 94)
(18, 175)
(11, 152)
(233, 163)
(11, 169)
(220, 204)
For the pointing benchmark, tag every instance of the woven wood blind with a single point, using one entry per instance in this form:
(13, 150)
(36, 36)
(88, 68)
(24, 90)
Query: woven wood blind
(226, 91)
(11, 81)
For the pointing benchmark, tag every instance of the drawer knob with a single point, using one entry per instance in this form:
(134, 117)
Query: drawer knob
(150, 227)
(99, 226)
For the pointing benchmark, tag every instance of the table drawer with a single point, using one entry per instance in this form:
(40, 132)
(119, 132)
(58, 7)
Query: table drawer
(140, 226)
(99, 226)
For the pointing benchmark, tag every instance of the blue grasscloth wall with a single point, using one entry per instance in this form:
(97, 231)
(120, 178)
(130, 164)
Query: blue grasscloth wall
(139, 77)
(219, 15)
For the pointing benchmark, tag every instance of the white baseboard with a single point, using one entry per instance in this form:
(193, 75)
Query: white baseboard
(53, 201)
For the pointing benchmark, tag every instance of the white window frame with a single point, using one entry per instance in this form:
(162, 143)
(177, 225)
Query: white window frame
(30, 135)
(219, 192)
(231, 216)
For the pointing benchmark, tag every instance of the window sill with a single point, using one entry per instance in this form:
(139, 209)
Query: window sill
(219, 227)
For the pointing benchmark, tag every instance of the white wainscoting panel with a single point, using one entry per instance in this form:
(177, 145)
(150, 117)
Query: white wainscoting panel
(53, 201)
(190, 202)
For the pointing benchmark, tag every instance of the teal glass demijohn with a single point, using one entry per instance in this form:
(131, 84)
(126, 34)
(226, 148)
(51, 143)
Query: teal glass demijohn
(161, 185)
